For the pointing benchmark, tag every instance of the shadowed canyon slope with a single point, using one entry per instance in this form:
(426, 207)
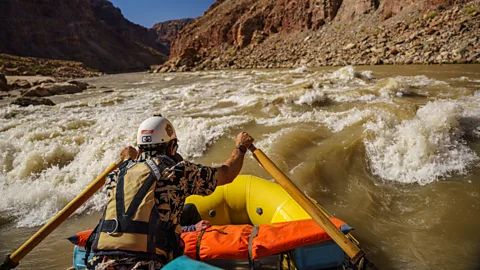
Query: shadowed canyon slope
(281, 33)
(90, 31)
(168, 30)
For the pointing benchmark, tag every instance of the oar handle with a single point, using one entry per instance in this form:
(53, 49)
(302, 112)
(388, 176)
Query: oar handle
(12, 260)
(354, 252)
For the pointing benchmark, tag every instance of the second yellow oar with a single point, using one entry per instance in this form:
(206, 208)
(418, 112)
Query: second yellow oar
(12, 260)
(354, 252)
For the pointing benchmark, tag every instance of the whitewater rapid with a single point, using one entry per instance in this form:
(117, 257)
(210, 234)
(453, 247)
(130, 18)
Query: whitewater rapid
(414, 129)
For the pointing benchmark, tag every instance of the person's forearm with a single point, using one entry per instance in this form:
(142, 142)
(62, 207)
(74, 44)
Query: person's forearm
(230, 168)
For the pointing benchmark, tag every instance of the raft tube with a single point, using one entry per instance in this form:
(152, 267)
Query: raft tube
(248, 200)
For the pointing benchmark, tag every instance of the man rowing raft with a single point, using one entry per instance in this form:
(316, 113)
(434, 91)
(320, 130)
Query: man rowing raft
(140, 228)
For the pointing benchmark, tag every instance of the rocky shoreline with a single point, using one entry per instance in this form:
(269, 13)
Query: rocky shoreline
(29, 80)
(62, 70)
(33, 90)
(434, 36)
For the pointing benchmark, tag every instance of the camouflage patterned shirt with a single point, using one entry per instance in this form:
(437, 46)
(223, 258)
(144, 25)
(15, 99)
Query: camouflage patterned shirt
(177, 182)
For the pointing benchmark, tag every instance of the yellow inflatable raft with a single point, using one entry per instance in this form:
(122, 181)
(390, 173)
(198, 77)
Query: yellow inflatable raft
(256, 201)
(248, 200)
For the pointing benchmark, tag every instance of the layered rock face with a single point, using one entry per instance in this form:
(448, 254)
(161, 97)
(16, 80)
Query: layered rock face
(90, 31)
(167, 31)
(283, 33)
(238, 22)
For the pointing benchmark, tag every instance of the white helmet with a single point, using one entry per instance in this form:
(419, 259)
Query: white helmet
(155, 130)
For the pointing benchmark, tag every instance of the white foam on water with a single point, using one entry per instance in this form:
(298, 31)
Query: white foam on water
(302, 69)
(471, 115)
(335, 121)
(50, 154)
(349, 74)
(395, 87)
(42, 173)
(368, 74)
(412, 86)
(311, 97)
(196, 134)
(339, 121)
(241, 100)
(421, 150)
(348, 94)
(465, 79)
(344, 85)
(462, 78)
(268, 141)
(141, 82)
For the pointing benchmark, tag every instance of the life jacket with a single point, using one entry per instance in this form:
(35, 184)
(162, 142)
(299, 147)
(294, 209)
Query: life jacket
(130, 225)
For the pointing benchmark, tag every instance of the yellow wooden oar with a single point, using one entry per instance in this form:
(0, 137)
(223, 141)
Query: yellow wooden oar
(355, 253)
(13, 260)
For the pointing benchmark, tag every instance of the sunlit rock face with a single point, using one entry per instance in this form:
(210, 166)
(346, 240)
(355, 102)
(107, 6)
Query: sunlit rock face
(281, 33)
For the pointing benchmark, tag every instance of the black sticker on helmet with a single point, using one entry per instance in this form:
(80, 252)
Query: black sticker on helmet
(146, 139)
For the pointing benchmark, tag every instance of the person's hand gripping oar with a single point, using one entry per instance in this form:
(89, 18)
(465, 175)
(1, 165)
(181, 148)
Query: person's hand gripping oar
(12, 260)
(356, 255)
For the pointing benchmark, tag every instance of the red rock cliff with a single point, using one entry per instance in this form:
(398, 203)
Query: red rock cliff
(90, 31)
(168, 31)
(230, 26)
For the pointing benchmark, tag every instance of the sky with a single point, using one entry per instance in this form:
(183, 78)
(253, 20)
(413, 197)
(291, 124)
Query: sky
(149, 12)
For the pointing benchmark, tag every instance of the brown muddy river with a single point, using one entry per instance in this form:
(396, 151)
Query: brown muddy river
(392, 150)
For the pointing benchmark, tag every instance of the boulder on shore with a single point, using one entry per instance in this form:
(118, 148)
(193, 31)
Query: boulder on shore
(32, 101)
(81, 85)
(3, 83)
(51, 89)
(26, 82)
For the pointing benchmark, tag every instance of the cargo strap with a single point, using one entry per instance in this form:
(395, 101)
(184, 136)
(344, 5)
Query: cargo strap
(250, 246)
(112, 226)
(199, 240)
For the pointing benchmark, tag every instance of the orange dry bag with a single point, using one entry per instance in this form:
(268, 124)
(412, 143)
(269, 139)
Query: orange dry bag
(232, 241)
(80, 239)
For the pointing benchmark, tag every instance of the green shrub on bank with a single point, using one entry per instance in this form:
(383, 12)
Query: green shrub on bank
(470, 10)
(431, 15)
